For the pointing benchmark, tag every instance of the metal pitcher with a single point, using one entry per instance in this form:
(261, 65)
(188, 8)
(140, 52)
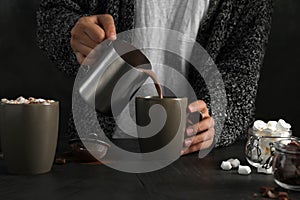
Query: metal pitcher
(108, 64)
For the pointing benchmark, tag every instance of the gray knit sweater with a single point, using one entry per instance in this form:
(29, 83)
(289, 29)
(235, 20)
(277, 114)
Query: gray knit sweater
(234, 32)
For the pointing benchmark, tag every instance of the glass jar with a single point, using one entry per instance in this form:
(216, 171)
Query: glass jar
(286, 164)
(259, 148)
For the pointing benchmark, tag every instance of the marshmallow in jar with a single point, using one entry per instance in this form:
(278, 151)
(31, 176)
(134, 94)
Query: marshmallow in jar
(259, 147)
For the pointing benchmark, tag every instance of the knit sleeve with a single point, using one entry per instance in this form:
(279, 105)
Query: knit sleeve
(239, 63)
(55, 20)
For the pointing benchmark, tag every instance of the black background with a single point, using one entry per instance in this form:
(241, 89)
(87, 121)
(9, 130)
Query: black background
(25, 70)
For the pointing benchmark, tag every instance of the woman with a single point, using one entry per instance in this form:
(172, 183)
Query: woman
(234, 33)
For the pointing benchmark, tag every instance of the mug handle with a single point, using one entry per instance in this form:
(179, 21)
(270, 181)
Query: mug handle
(193, 118)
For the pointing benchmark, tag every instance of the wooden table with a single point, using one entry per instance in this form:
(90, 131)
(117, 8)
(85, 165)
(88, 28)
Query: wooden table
(187, 178)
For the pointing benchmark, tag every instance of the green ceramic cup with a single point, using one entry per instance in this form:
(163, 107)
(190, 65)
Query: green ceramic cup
(29, 137)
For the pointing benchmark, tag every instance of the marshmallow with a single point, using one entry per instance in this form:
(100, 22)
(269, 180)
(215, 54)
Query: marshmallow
(280, 128)
(226, 165)
(22, 100)
(31, 100)
(4, 100)
(259, 125)
(245, 170)
(234, 162)
(264, 170)
(39, 100)
(283, 126)
(12, 102)
(271, 126)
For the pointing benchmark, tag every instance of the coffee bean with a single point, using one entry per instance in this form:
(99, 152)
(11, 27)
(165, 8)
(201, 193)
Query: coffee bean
(60, 161)
(283, 196)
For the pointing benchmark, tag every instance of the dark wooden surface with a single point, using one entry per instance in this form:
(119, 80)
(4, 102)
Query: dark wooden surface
(187, 178)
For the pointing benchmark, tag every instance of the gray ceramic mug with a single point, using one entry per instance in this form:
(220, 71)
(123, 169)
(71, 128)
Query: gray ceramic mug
(166, 127)
(29, 137)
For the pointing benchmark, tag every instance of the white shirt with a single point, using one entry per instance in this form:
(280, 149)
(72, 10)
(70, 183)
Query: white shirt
(183, 16)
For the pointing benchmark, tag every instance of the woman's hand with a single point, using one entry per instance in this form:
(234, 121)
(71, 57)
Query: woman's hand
(90, 31)
(201, 134)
